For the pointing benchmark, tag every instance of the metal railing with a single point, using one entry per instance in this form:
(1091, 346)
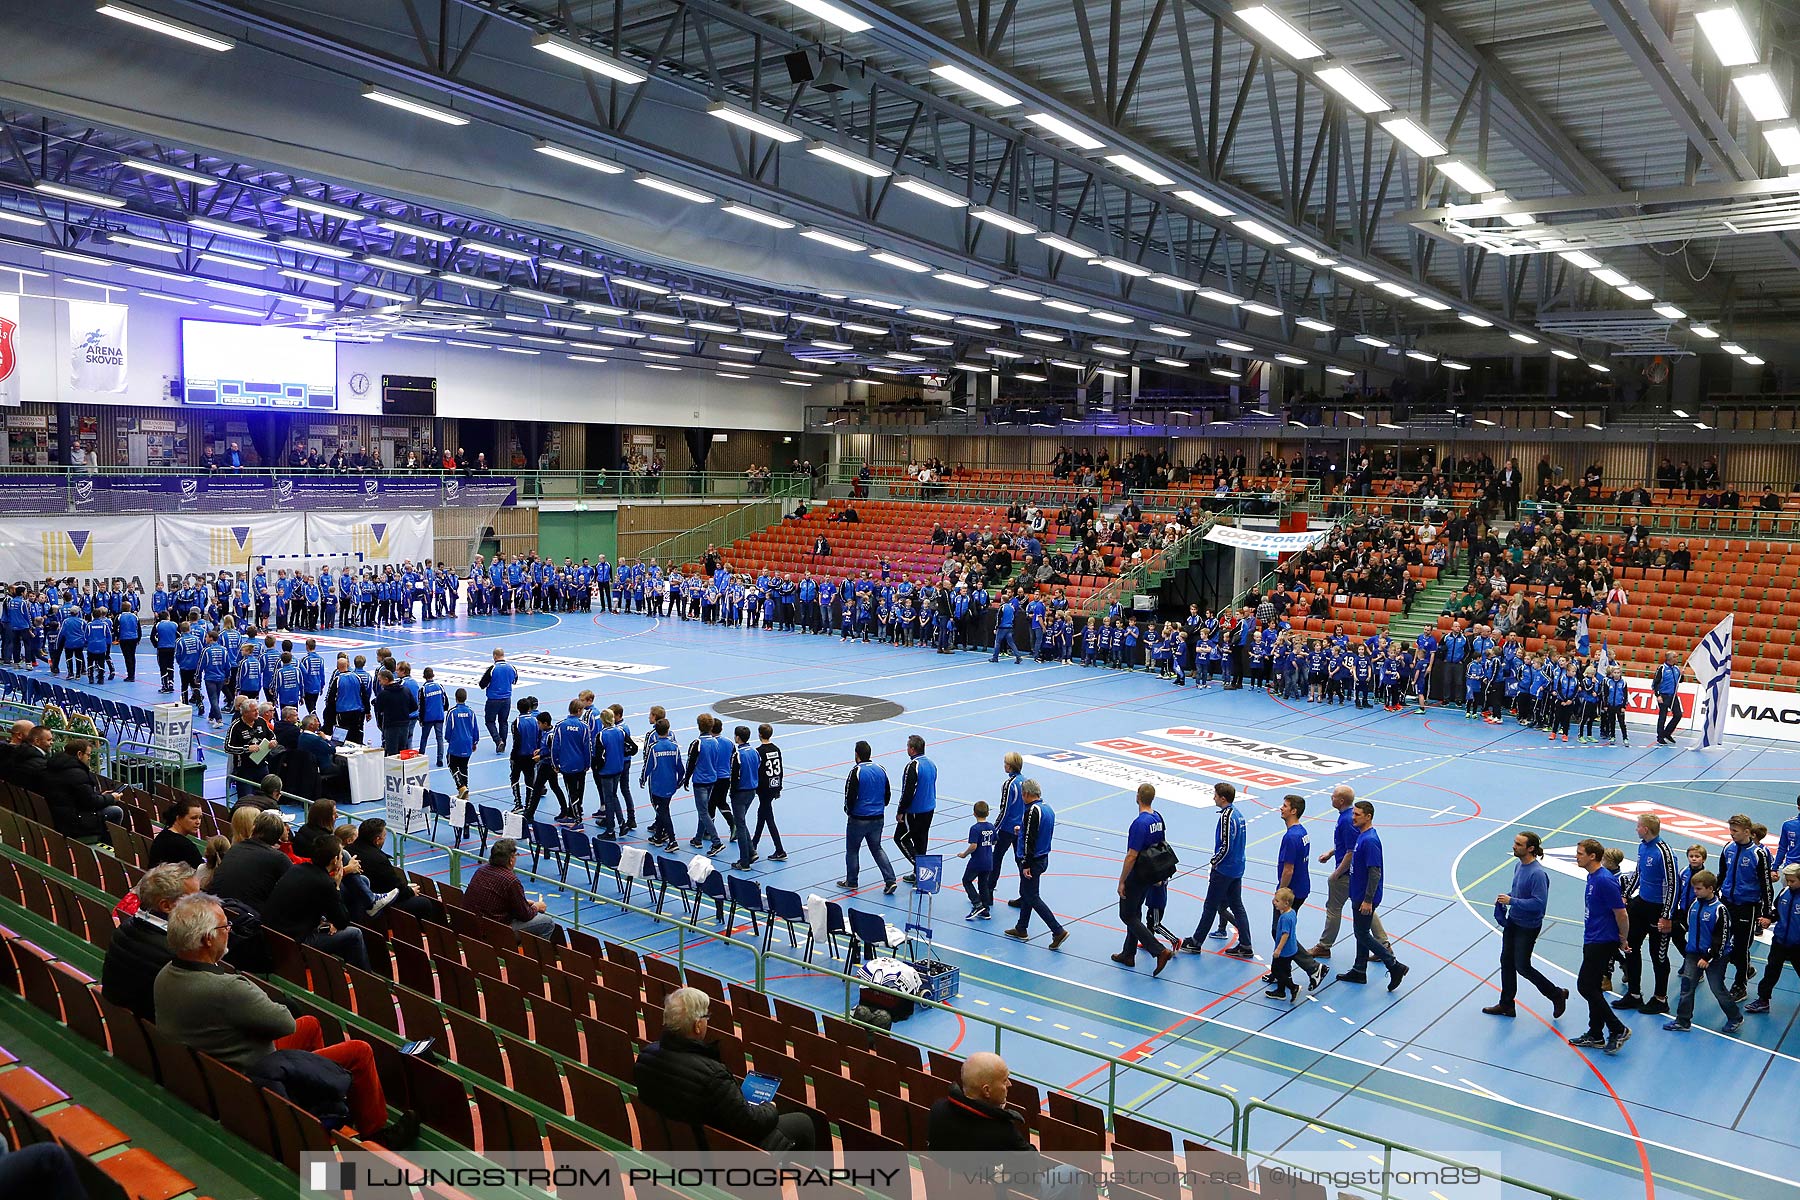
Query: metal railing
(1050, 494)
(666, 485)
(1662, 521)
(1117, 1070)
(690, 544)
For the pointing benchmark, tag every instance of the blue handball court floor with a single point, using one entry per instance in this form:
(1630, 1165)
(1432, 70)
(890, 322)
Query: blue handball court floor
(1700, 1114)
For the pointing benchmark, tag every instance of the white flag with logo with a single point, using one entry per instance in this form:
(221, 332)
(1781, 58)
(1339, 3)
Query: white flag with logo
(9, 350)
(96, 346)
(1711, 664)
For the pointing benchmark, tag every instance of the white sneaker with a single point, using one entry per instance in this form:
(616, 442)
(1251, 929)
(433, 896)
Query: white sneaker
(383, 900)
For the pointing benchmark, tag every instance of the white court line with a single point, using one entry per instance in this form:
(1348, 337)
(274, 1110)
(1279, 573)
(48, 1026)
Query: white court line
(1383, 1067)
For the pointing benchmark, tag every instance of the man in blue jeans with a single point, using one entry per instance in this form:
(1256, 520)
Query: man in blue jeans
(1365, 892)
(497, 681)
(1032, 852)
(1667, 686)
(1520, 911)
(866, 793)
(1225, 884)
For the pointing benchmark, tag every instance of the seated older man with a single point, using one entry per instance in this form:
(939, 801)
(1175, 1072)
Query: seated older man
(213, 1009)
(494, 891)
(140, 945)
(681, 1076)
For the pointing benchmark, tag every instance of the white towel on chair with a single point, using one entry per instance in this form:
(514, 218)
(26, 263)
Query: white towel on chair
(817, 916)
(699, 867)
(631, 861)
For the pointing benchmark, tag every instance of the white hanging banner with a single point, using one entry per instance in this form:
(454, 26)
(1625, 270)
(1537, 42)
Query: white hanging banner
(96, 346)
(9, 350)
(234, 542)
(57, 547)
(1268, 541)
(378, 538)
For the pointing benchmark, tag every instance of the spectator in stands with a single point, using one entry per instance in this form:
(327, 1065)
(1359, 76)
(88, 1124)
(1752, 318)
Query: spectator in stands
(24, 767)
(384, 877)
(250, 744)
(974, 1116)
(394, 707)
(680, 1076)
(181, 825)
(139, 947)
(821, 547)
(494, 891)
(321, 820)
(307, 905)
(77, 806)
(252, 867)
(1636, 497)
(217, 1011)
(16, 747)
(40, 1169)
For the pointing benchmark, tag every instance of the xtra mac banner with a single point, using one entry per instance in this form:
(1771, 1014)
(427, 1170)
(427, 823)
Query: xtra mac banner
(55, 547)
(202, 545)
(1265, 541)
(96, 346)
(380, 538)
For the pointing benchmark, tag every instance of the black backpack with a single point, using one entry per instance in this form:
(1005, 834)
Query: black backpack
(1156, 864)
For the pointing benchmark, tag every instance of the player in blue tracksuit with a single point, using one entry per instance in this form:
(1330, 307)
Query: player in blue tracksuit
(99, 646)
(1783, 924)
(1706, 931)
(661, 777)
(702, 772)
(746, 773)
(287, 682)
(523, 762)
(163, 636)
(1225, 884)
(462, 733)
(1746, 890)
(433, 701)
(215, 668)
(866, 793)
(1003, 632)
(572, 754)
(74, 642)
(312, 676)
(1612, 716)
(497, 682)
(187, 660)
(609, 767)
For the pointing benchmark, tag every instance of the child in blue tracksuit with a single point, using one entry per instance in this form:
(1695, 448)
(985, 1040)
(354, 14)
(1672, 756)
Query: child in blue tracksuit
(432, 706)
(1705, 932)
(1362, 674)
(1474, 680)
(1612, 715)
(1128, 645)
(976, 879)
(462, 733)
(1588, 702)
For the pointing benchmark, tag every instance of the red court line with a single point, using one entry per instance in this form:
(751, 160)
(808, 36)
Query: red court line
(1144, 1045)
(1587, 1060)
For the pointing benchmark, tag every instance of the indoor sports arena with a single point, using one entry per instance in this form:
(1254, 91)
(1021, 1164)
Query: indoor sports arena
(1222, 449)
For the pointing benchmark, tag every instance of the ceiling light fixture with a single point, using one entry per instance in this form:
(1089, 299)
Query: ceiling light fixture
(871, 330)
(1239, 347)
(1261, 232)
(1203, 202)
(1219, 297)
(1414, 137)
(1421, 356)
(300, 245)
(472, 281)
(1730, 39)
(1314, 324)
(1076, 137)
(848, 160)
(539, 297)
(310, 277)
(1396, 289)
(1261, 309)
(1431, 302)
(576, 157)
(1669, 311)
(775, 131)
(1761, 95)
(1703, 331)
(1275, 29)
(588, 59)
(63, 191)
(418, 231)
(1065, 245)
(1174, 331)
(835, 241)
(1522, 338)
(417, 108)
(1006, 221)
(899, 261)
(1370, 340)
(968, 81)
(1784, 143)
(1464, 176)
(1139, 169)
(157, 23)
(962, 281)
(1577, 258)
(1565, 355)
(1638, 292)
(382, 293)
(1123, 267)
(1361, 96)
(678, 190)
(1067, 306)
(1174, 284)
(832, 14)
(1356, 273)
(393, 264)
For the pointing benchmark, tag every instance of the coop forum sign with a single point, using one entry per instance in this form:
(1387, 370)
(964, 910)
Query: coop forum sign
(809, 708)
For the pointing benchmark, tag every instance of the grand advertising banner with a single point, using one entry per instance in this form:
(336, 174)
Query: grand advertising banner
(55, 547)
(202, 544)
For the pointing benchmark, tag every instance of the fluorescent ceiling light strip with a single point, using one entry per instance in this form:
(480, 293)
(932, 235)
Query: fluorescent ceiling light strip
(977, 323)
(1172, 362)
(540, 297)
(731, 348)
(834, 240)
(600, 310)
(147, 271)
(639, 285)
(1703, 331)
(930, 191)
(968, 81)
(1224, 373)
(1577, 258)
(589, 59)
(1371, 340)
(1238, 347)
(1431, 302)
(1669, 311)
(1464, 176)
(551, 264)
(498, 251)
(1013, 293)
(227, 229)
(1421, 356)
(577, 326)
(1261, 232)
(962, 281)
(871, 330)
(1564, 355)
(1761, 95)
(1346, 373)
(157, 23)
(382, 293)
(1220, 297)
(310, 277)
(1638, 292)
(151, 167)
(775, 131)
(1361, 96)
(323, 208)
(227, 260)
(1784, 143)
(1124, 268)
(485, 285)
(1396, 289)
(809, 319)
(838, 347)
(394, 264)
(889, 258)
(1308, 254)
(1292, 360)
(1314, 324)
(586, 358)
(1280, 33)
(301, 245)
(1006, 221)
(21, 219)
(579, 159)
(833, 14)
(1611, 277)
(126, 239)
(1067, 306)
(1174, 284)
(63, 191)
(1202, 202)
(1414, 137)
(1356, 273)
(678, 190)
(1075, 136)
(1260, 309)
(419, 231)
(848, 160)
(759, 217)
(1522, 338)
(1039, 335)
(1730, 39)
(233, 309)
(1056, 241)
(1472, 319)
(1111, 318)
(418, 108)
(1173, 331)
(1139, 169)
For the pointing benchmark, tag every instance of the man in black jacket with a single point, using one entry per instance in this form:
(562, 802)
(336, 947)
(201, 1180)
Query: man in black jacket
(973, 1116)
(250, 870)
(77, 806)
(385, 877)
(140, 945)
(394, 707)
(680, 1077)
(308, 905)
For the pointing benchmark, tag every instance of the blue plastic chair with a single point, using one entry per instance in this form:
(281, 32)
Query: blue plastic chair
(711, 888)
(578, 848)
(545, 838)
(607, 853)
(787, 907)
(491, 822)
(747, 895)
(674, 874)
(868, 936)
